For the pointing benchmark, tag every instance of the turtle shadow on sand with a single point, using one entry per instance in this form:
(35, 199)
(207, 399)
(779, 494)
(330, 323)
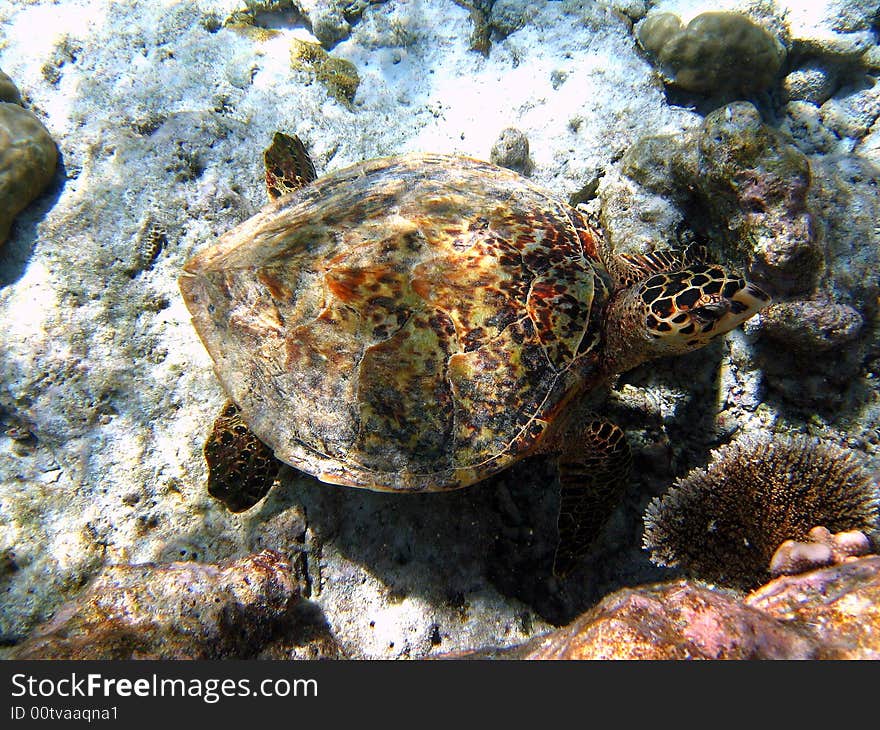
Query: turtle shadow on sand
(498, 535)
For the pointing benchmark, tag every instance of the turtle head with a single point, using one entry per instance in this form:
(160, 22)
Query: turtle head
(674, 312)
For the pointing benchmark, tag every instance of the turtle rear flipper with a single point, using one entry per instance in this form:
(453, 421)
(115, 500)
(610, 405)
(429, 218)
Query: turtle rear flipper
(241, 468)
(594, 471)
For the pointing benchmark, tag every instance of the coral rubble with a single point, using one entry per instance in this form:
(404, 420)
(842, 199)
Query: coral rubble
(171, 611)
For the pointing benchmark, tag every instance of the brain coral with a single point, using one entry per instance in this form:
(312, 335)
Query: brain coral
(724, 523)
(715, 52)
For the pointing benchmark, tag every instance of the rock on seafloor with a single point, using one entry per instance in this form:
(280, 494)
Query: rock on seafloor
(8, 91)
(161, 110)
(673, 621)
(746, 186)
(832, 613)
(173, 611)
(27, 160)
(838, 607)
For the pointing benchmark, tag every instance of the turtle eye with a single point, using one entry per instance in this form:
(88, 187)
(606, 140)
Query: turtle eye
(710, 312)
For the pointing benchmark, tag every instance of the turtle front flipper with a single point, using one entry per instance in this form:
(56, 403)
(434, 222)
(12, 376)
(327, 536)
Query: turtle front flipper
(594, 470)
(288, 165)
(241, 468)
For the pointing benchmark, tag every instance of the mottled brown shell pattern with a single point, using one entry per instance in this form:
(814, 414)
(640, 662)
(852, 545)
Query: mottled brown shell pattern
(409, 323)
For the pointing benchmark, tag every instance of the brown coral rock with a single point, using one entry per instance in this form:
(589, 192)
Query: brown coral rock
(677, 620)
(832, 613)
(172, 611)
(838, 605)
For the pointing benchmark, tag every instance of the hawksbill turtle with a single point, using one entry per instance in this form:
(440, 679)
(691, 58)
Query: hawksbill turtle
(418, 323)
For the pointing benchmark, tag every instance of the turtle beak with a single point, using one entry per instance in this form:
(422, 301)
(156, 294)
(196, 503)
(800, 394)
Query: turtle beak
(730, 312)
(750, 299)
(711, 312)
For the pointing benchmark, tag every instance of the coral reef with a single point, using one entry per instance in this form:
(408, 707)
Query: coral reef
(723, 523)
(337, 75)
(27, 162)
(717, 52)
(832, 613)
(511, 150)
(171, 611)
(745, 187)
(821, 548)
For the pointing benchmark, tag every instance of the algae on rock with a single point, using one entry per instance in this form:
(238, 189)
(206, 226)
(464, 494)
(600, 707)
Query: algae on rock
(183, 610)
(337, 75)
